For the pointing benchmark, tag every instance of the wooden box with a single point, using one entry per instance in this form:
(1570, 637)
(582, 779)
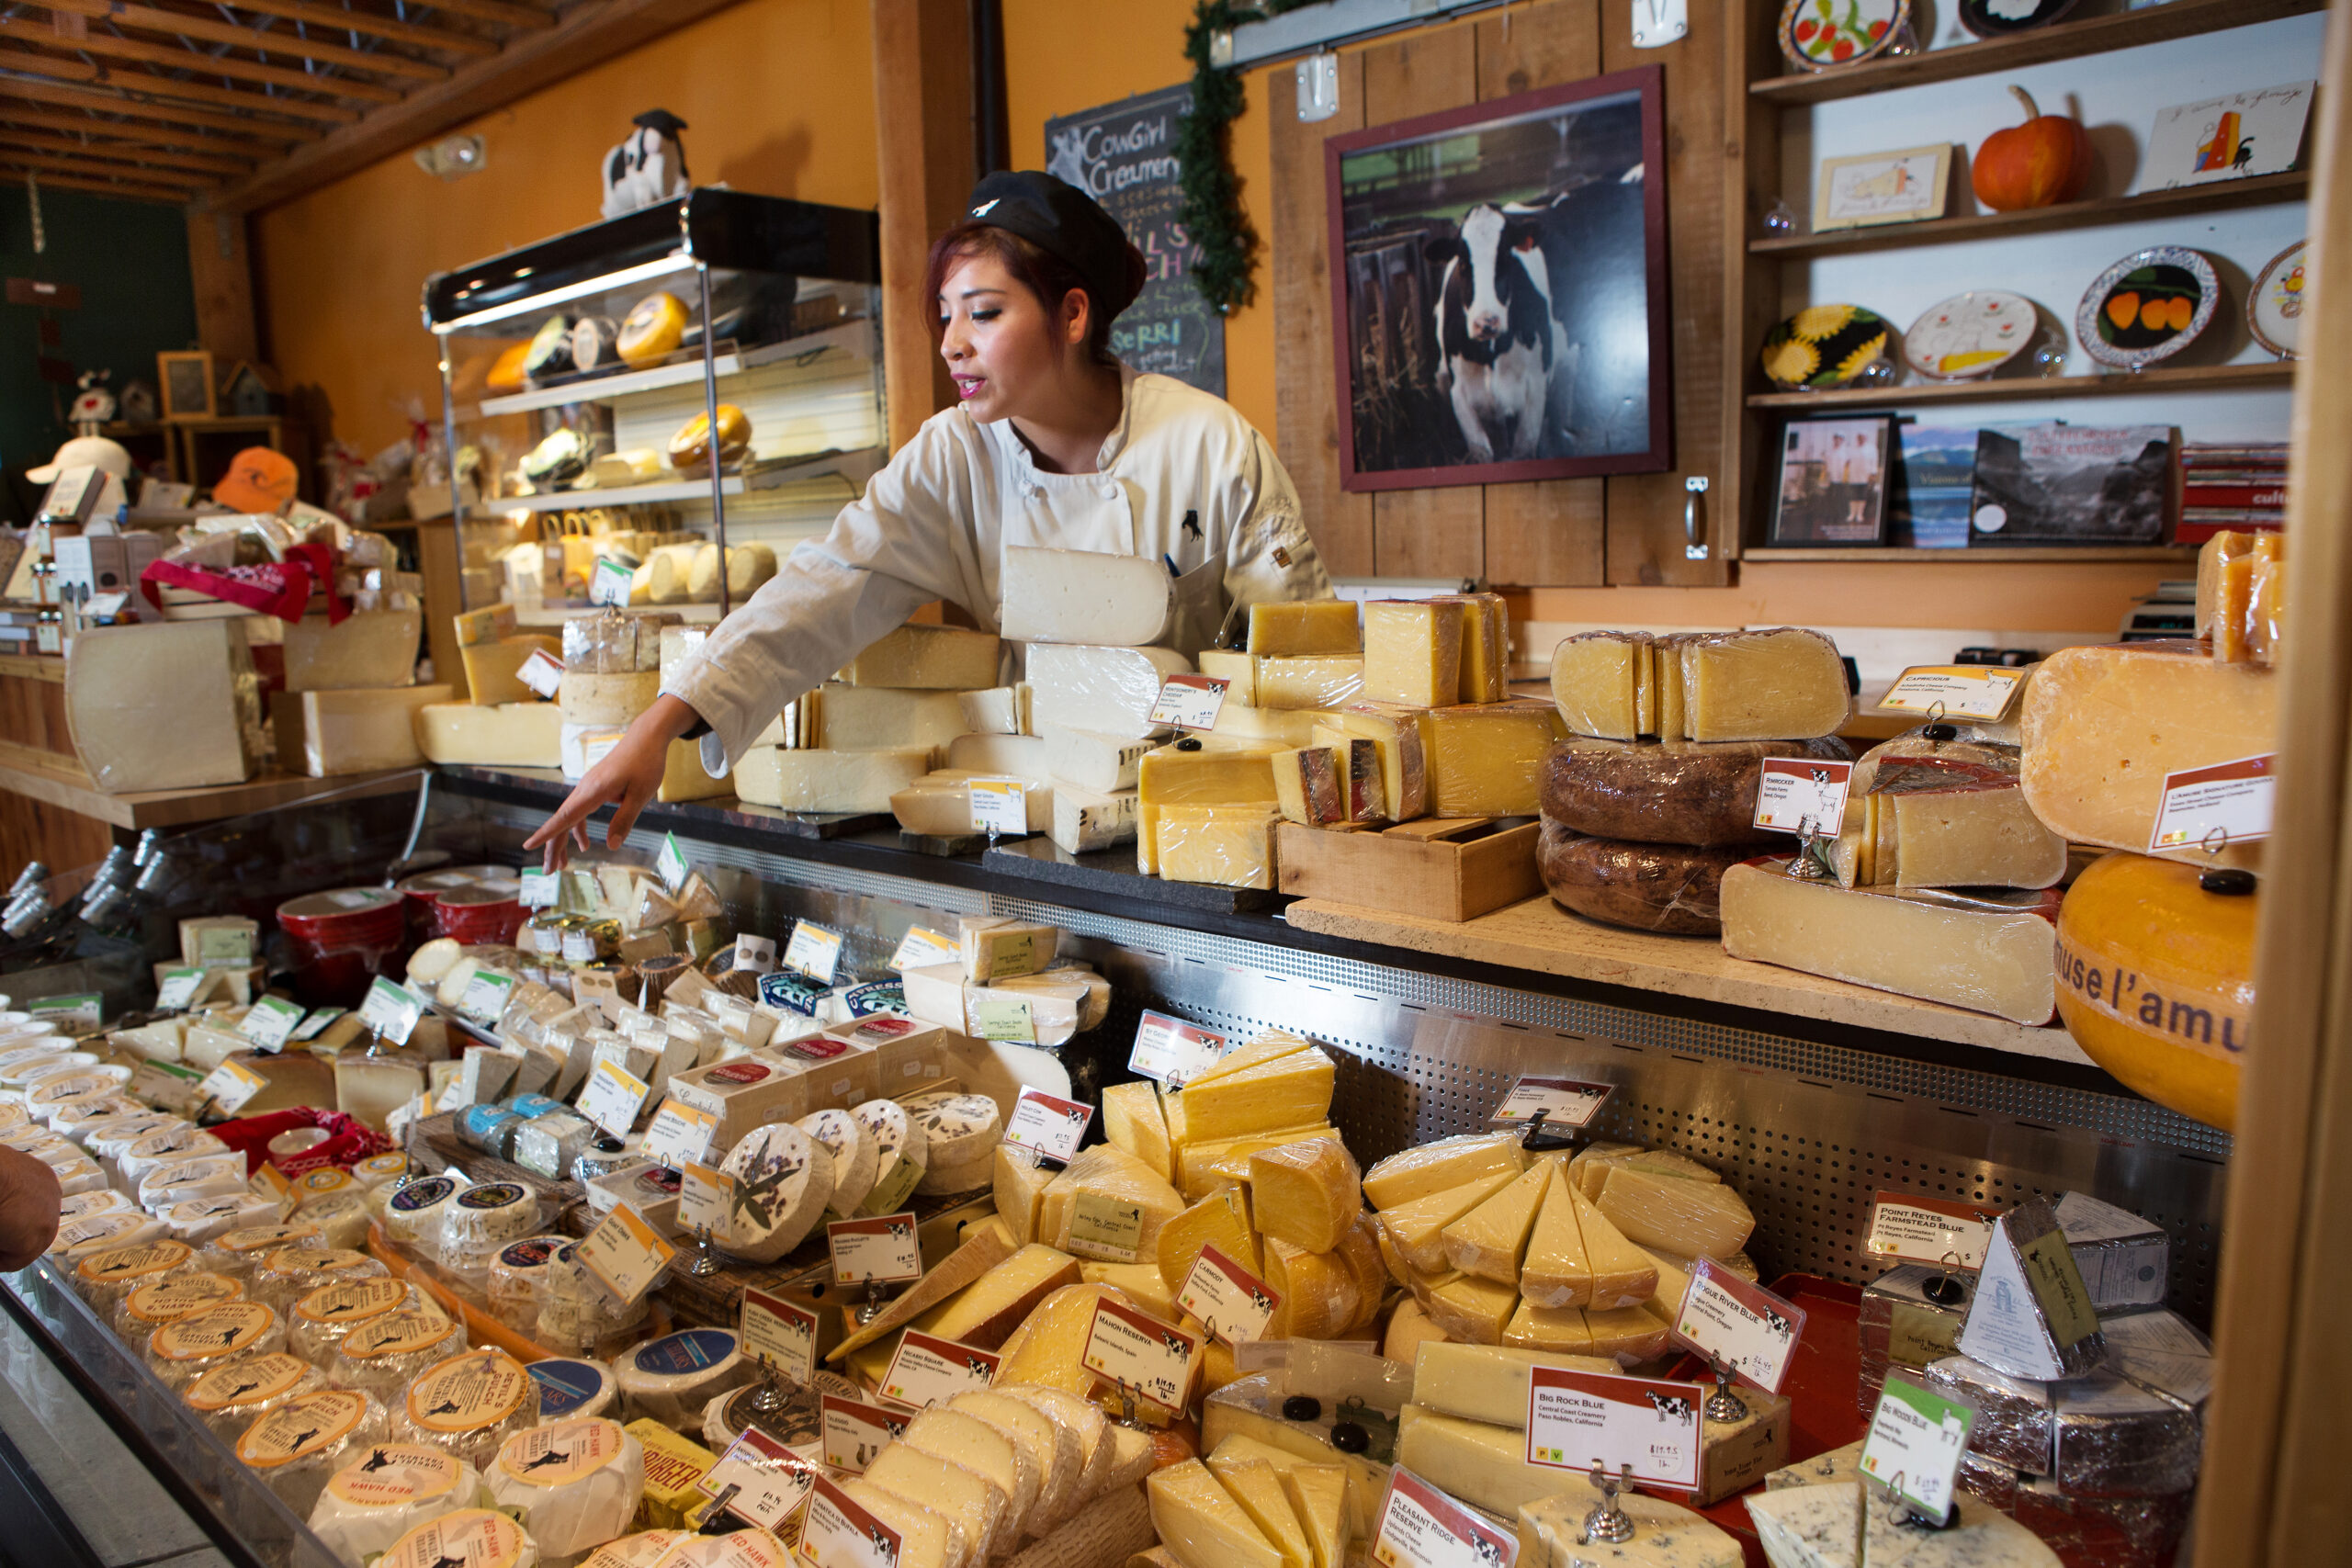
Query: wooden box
(1444, 868)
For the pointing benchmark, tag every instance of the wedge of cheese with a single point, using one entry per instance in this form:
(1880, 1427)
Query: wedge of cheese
(976, 1503)
(1049, 1346)
(1552, 1534)
(1308, 1194)
(1439, 1166)
(1556, 1271)
(1704, 1219)
(1319, 1500)
(1220, 1220)
(1305, 626)
(1489, 1240)
(987, 1312)
(1321, 1295)
(1487, 760)
(1471, 1311)
(1622, 1274)
(1632, 1334)
(1289, 1091)
(967, 1266)
(1099, 1179)
(1595, 682)
(1257, 1487)
(928, 1537)
(1783, 684)
(1203, 1168)
(1417, 1228)
(1131, 1121)
(1396, 736)
(1054, 1447)
(1199, 1522)
(1486, 1382)
(1534, 1328)
(1269, 1046)
(1140, 1282)
(1483, 1465)
(1018, 1181)
(967, 1441)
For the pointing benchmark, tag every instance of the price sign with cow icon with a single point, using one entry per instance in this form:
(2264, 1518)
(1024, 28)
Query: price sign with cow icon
(1642, 1428)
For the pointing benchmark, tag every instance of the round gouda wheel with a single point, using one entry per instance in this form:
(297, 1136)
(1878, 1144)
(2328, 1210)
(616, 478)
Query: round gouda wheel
(653, 327)
(1666, 791)
(1671, 889)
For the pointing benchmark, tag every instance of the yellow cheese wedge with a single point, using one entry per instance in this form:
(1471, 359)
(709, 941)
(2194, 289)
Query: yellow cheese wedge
(1628, 1332)
(1319, 1500)
(1487, 1382)
(1257, 1487)
(1019, 1180)
(1199, 1522)
(490, 668)
(1436, 1168)
(1359, 1246)
(1556, 1273)
(973, 1445)
(1320, 1294)
(1396, 736)
(1490, 1238)
(928, 1537)
(1587, 1171)
(1412, 651)
(1237, 670)
(976, 1503)
(1483, 1465)
(1305, 626)
(1622, 1274)
(1203, 1168)
(1141, 1282)
(1594, 680)
(967, 1266)
(1703, 1218)
(986, 1311)
(1131, 1121)
(1534, 1328)
(1417, 1229)
(1049, 1348)
(1220, 1220)
(1107, 1175)
(1273, 1046)
(1781, 684)
(1287, 1092)
(1485, 646)
(1308, 1194)
(1471, 1311)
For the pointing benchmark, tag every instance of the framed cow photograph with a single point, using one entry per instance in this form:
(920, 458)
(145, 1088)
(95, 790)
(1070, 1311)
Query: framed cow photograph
(1498, 290)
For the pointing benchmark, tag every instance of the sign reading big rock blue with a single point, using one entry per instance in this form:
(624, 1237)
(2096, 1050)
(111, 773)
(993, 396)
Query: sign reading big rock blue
(1123, 155)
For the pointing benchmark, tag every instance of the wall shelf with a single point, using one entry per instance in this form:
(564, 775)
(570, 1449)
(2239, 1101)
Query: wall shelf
(2184, 378)
(2259, 191)
(854, 336)
(2104, 554)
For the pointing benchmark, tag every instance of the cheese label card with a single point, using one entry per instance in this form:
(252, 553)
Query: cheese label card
(998, 1015)
(230, 1084)
(1107, 1229)
(1912, 1229)
(1421, 1526)
(543, 672)
(930, 1371)
(1801, 794)
(1235, 1303)
(755, 955)
(838, 1534)
(613, 1097)
(391, 1011)
(921, 947)
(84, 1007)
(2229, 803)
(315, 1024)
(166, 1083)
(679, 1134)
(854, 1431)
(485, 997)
(179, 988)
(1052, 1127)
(670, 863)
(883, 1248)
(1000, 806)
(609, 584)
(1189, 702)
(1915, 1443)
(771, 1482)
(1575, 1419)
(270, 1022)
(1753, 1330)
(778, 1333)
(813, 950)
(1172, 1052)
(704, 1196)
(626, 1253)
(275, 1185)
(1136, 1353)
(1563, 1103)
(1979, 692)
(541, 888)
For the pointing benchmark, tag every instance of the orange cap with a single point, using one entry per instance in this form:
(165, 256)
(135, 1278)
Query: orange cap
(258, 480)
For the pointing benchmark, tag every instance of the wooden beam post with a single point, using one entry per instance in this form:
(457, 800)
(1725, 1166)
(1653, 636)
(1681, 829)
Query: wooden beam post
(222, 269)
(922, 112)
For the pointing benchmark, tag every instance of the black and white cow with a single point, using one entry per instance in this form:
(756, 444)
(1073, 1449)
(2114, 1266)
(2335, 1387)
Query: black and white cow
(1499, 345)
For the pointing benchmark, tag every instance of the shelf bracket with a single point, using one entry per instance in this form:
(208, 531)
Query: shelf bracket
(1692, 488)
(1657, 23)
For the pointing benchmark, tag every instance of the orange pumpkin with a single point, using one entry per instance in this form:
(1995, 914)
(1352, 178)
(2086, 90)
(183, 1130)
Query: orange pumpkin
(2045, 160)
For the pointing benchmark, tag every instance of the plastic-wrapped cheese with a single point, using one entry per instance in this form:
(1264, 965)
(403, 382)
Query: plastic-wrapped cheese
(574, 1483)
(671, 1378)
(376, 1170)
(185, 1348)
(850, 1148)
(413, 1215)
(902, 1151)
(158, 1302)
(480, 1221)
(106, 1201)
(578, 1309)
(517, 1281)
(478, 1537)
(297, 1445)
(163, 1147)
(74, 1118)
(238, 1252)
(783, 1182)
(798, 1422)
(467, 1404)
(341, 1220)
(325, 1316)
(286, 1275)
(962, 1131)
(104, 1278)
(231, 1396)
(1666, 888)
(77, 1175)
(374, 1500)
(201, 1219)
(385, 1354)
(570, 1388)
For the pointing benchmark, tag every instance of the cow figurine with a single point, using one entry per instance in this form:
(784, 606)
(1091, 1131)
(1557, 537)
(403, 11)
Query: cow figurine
(649, 167)
(1498, 346)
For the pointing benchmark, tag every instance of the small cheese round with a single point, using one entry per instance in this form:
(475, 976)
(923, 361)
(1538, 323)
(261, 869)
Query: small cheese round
(286, 1275)
(570, 1387)
(230, 1396)
(480, 1221)
(783, 1182)
(429, 963)
(236, 1253)
(151, 1306)
(323, 1182)
(325, 1316)
(671, 1378)
(575, 1484)
(850, 1148)
(962, 1128)
(413, 1215)
(76, 1119)
(518, 1275)
(468, 1404)
(100, 1232)
(577, 1310)
(376, 1499)
(342, 1219)
(163, 1147)
(479, 1538)
(901, 1153)
(653, 327)
(201, 1219)
(643, 1550)
(376, 1170)
(104, 1278)
(297, 1445)
(77, 1175)
(385, 1354)
(185, 1348)
(106, 1201)
(206, 1176)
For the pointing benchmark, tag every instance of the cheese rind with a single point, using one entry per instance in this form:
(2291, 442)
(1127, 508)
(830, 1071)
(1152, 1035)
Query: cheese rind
(1669, 792)
(1305, 626)
(1671, 889)
(1412, 652)
(818, 780)
(1084, 596)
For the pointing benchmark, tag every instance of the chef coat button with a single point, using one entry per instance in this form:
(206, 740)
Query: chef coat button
(1110, 490)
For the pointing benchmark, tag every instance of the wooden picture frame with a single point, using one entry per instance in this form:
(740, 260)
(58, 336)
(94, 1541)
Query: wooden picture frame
(1830, 484)
(1908, 185)
(1498, 290)
(185, 384)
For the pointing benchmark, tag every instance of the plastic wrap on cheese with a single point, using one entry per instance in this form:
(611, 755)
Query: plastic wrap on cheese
(574, 1483)
(1701, 794)
(1309, 681)
(615, 642)
(374, 1500)
(1487, 759)
(1225, 846)
(2014, 1421)
(1666, 888)
(1110, 691)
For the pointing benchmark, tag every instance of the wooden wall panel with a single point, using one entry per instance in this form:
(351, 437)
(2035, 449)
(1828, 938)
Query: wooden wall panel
(59, 839)
(922, 113)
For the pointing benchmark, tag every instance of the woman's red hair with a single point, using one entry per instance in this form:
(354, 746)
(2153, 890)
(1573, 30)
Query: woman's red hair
(1047, 277)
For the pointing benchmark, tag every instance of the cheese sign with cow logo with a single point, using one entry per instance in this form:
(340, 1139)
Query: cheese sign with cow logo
(1754, 1331)
(1136, 1353)
(1235, 1303)
(1802, 795)
(837, 1533)
(1575, 1420)
(1049, 1126)
(929, 1370)
(855, 1431)
(1912, 1229)
(1421, 1527)
(882, 1248)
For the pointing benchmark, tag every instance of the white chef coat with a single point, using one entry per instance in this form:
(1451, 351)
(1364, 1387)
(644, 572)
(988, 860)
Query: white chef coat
(1182, 479)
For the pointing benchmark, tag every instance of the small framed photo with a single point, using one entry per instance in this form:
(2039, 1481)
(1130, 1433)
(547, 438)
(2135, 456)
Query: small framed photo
(186, 381)
(1832, 486)
(1908, 185)
(2229, 139)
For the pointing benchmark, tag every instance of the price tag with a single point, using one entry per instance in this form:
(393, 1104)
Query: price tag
(230, 1084)
(998, 1015)
(838, 1534)
(1000, 806)
(1052, 1127)
(167, 1086)
(883, 1248)
(2227, 803)
(755, 955)
(930, 1371)
(486, 996)
(541, 889)
(543, 672)
(275, 1185)
(270, 1022)
(705, 1197)
(1189, 702)
(679, 1134)
(83, 1008)
(609, 584)
(771, 1482)
(392, 1011)
(920, 948)
(1915, 1443)
(1576, 1419)
(780, 1334)
(179, 988)
(1137, 1352)
(670, 863)
(813, 950)
(1421, 1526)
(613, 1098)
(1929, 1230)
(856, 1432)
(1169, 1051)
(1569, 1103)
(1235, 1303)
(1107, 1229)
(626, 1253)
(1753, 1330)
(1960, 691)
(315, 1024)
(1795, 795)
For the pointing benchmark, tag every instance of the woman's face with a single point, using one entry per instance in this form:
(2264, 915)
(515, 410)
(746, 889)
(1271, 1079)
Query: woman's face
(1002, 347)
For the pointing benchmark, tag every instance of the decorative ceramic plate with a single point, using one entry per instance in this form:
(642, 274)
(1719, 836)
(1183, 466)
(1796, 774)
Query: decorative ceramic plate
(1821, 35)
(1970, 334)
(1995, 19)
(2147, 307)
(1825, 345)
(2273, 309)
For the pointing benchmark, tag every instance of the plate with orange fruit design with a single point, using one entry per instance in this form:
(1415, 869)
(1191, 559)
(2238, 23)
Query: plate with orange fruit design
(2147, 307)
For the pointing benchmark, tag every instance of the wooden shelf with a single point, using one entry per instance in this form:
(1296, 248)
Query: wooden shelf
(2114, 554)
(2066, 40)
(179, 807)
(2023, 389)
(2260, 190)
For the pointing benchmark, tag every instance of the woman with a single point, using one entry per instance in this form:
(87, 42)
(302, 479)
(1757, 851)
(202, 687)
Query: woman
(1054, 443)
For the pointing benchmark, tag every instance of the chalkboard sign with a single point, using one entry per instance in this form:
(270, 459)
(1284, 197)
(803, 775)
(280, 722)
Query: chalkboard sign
(1123, 155)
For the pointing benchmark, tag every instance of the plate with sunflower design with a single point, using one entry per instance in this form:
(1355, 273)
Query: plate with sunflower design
(1825, 345)
(2147, 307)
(1970, 334)
(1821, 35)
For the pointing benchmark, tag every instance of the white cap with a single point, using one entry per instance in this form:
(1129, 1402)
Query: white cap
(85, 452)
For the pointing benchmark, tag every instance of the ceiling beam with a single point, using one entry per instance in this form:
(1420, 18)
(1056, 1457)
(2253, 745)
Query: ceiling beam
(337, 19)
(179, 57)
(118, 130)
(156, 177)
(237, 127)
(148, 18)
(504, 11)
(89, 75)
(109, 187)
(143, 156)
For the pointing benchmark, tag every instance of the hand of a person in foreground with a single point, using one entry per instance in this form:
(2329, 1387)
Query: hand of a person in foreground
(627, 777)
(29, 1205)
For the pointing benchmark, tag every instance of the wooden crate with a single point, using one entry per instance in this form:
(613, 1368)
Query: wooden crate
(1442, 868)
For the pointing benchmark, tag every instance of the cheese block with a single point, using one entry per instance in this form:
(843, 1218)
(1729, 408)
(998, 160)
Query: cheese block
(830, 782)
(1318, 1494)
(1199, 1522)
(1084, 596)
(1622, 1274)
(1784, 684)
(574, 1485)
(192, 681)
(948, 659)
(997, 946)
(367, 648)
(2266, 611)
(1701, 1218)
(1220, 1220)
(1271, 1045)
(1486, 1382)
(1131, 1121)
(1438, 1166)
(1551, 1535)
(1308, 1194)
(1471, 1311)
(1671, 791)
(879, 718)
(781, 1189)
(1483, 1465)
(492, 669)
(671, 1378)
(1412, 652)
(1110, 691)
(1937, 821)
(1291, 1090)
(1396, 737)
(978, 1507)
(985, 1450)
(1203, 1168)
(939, 804)
(1140, 1282)
(927, 1538)
(1054, 1447)
(1224, 774)
(856, 1159)
(1273, 727)
(673, 1466)
(999, 710)
(1312, 786)
(1990, 952)
(1489, 1239)
(1257, 1487)
(1086, 821)
(1416, 1228)
(1223, 846)
(375, 1499)
(1018, 1184)
(1487, 760)
(1237, 669)
(1305, 626)
(1309, 682)
(1594, 677)
(607, 700)
(1103, 1197)
(1485, 646)
(1105, 763)
(1049, 1345)
(1245, 1417)
(1098, 1453)
(1823, 1527)
(350, 731)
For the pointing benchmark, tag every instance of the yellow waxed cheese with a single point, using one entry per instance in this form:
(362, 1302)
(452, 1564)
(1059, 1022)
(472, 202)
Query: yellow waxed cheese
(1305, 626)
(1622, 1274)
(684, 778)
(1561, 1329)
(1308, 1194)
(1199, 1522)
(1487, 760)
(1105, 1175)
(1257, 1487)
(1412, 652)
(987, 1312)
(1705, 1219)
(1395, 736)
(1320, 1296)
(673, 1471)
(1360, 1248)
(490, 668)
(1441, 1166)
(1203, 1168)
(1471, 1311)
(1489, 1240)
(1557, 1271)
(1318, 1499)
(1416, 1228)
(1266, 1047)
(1018, 1181)
(1485, 647)
(1311, 785)
(1237, 670)
(1131, 1119)
(1220, 1220)
(1290, 1091)
(1311, 681)
(2234, 612)
(1786, 684)
(1595, 678)
(1219, 846)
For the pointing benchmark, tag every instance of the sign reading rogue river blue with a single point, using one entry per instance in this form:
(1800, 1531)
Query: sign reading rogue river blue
(1123, 155)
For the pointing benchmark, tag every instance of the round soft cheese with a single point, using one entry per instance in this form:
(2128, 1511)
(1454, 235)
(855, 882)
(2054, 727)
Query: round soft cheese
(323, 1317)
(77, 1175)
(149, 1307)
(342, 1219)
(577, 1310)
(671, 1378)
(518, 1275)
(468, 1404)
(1667, 889)
(652, 328)
(574, 1483)
(643, 1550)
(229, 1397)
(413, 1215)
(206, 1176)
(45, 1099)
(901, 1153)
(852, 1150)
(323, 1182)
(572, 1387)
(104, 1278)
(74, 1119)
(202, 1220)
(783, 1182)
(385, 1354)
(960, 1127)
(185, 1348)
(429, 963)
(480, 1221)
(289, 1273)
(390, 1490)
(478, 1537)
(164, 1147)
(297, 1445)
(237, 1252)
(376, 1170)
(106, 1201)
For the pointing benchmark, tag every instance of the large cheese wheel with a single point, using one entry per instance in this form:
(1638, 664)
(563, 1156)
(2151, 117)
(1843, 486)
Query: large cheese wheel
(652, 328)
(1671, 889)
(2155, 981)
(1666, 791)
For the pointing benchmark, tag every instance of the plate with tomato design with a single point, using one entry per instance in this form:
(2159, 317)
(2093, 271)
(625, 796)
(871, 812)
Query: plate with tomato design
(2274, 310)
(1970, 334)
(2147, 307)
(1821, 35)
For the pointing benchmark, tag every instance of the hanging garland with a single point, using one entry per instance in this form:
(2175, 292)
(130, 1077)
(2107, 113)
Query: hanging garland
(1210, 206)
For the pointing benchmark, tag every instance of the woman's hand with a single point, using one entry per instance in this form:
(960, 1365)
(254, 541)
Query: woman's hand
(29, 1208)
(629, 775)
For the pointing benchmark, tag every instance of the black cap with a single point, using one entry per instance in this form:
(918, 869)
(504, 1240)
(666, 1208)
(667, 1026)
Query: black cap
(1063, 221)
(659, 120)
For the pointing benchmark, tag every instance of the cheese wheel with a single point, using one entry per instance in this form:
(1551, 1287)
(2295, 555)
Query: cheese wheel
(325, 1316)
(385, 1354)
(902, 1154)
(413, 1215)
(653, 327)
(429, 963)
(295, 1447)
(207, 1176)
(105, 1277)
(230, 1396)
(237, 1253)
(475, 1223)
(162, 1149)
(550, 351)
(150, 1306)
(571, 1388)
(783, 1182)
(1671, 791)
(690, 448)
(288, 1273)
(374, 1500)
(479, 1538)
(574, 1483)
(854, 1156)
(1667, 888)
(959, 1128)
(506, 370)
(185, 1348)
(518, 1275)
(671, 1378)
(467, 1404)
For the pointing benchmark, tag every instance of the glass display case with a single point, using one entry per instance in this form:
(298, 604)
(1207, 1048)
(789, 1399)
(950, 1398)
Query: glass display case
(581, 376)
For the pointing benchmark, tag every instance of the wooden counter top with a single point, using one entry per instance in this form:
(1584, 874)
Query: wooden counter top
(179, 807)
